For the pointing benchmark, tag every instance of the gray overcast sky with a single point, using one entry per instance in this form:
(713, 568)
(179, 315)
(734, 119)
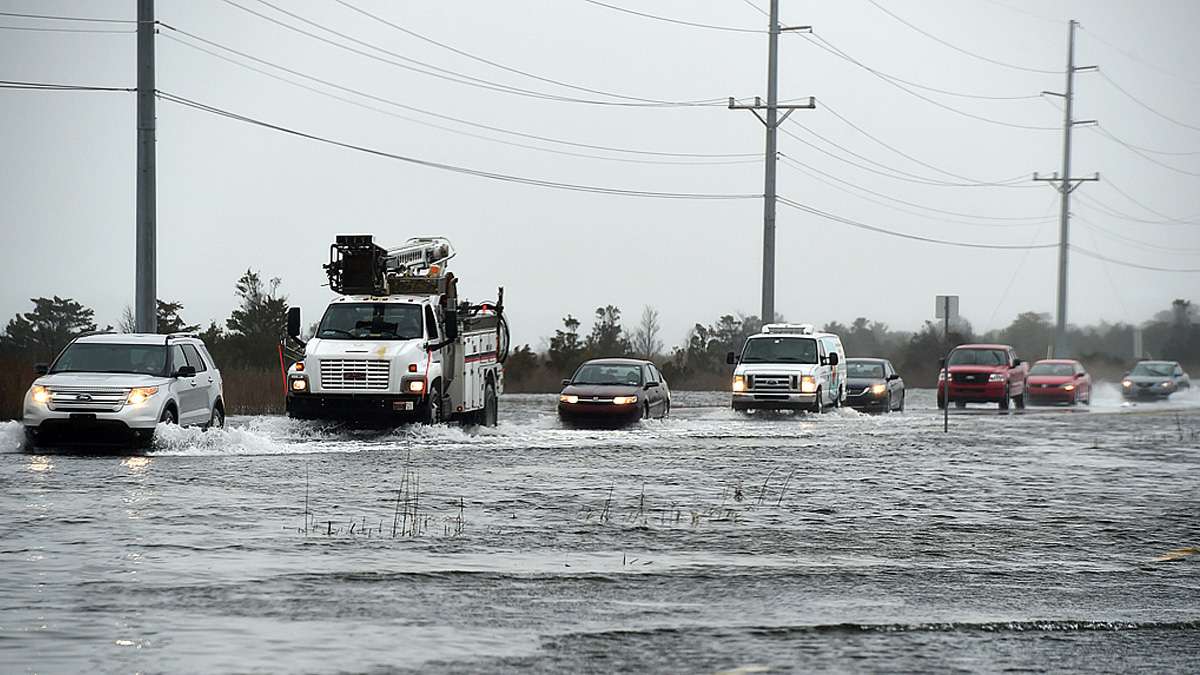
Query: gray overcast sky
(233, 196)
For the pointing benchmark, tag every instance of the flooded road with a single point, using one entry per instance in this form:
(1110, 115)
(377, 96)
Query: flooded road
(1053, 539)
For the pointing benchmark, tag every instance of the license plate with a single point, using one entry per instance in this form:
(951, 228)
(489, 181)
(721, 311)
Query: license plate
(402, 405)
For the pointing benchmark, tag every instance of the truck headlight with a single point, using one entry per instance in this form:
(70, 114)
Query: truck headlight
(878, 389)
(997, 377)
(943, 376)
(299, 384)
(138, 395)
(568, 398)
(808, 384)
(416, 387)
(41, 394)
(739, 383)
(624, 400)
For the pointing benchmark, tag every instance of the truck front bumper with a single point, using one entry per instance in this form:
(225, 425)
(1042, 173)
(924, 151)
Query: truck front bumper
(773, 401)
(353, 407)
(990, 392)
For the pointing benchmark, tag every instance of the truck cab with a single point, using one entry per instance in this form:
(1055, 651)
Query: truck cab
(397, 345)
(789, 367)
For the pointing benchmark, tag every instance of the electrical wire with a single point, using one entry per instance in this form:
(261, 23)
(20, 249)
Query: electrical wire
(1188, 221)
(1126, 263)
(1104, 76)
(509, 178)
(1096, 204)
(1133, 57)
(668, 19)
(49, 86)
(956, 47)
(822, 43)
(1141, 153)
(480, 59)
(404, 106)
(38, 29)
(1134, 242)
(446, 74)
(904, 235)
(66, 18)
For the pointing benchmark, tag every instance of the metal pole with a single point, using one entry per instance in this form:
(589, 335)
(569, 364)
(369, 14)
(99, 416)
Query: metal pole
(1064, 234)
(768, 283)
(146, 295)
(946, 365)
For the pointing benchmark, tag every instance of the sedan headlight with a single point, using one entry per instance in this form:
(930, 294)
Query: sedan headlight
(997, 377)
(739, 383)
(624, 400)
(41, 394)
(138, 395)
(808, 384)
(878, 389)
(1069, 387)
(1166, 384)
(568, 398)
(1126, 383)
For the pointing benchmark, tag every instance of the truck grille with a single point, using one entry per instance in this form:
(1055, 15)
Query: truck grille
(87, 399)
(971, 378)
(354, 374)
(772, 382)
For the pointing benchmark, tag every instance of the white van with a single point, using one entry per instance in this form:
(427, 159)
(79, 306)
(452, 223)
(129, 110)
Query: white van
(789, 367)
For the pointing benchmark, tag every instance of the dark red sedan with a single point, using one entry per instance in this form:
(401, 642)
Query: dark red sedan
(1058, 381)
(614, 392)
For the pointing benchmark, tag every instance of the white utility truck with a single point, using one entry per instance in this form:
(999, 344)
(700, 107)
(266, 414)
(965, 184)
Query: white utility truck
(397, 345)
(789, 367)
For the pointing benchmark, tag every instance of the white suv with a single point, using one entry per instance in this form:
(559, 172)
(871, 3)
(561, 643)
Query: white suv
(789, 367)
(121, 386)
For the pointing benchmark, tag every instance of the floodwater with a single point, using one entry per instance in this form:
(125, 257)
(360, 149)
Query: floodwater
(1045, 540)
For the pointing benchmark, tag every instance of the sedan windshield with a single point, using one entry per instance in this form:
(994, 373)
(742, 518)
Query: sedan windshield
(1154, 369)
(780, 350)
(102, 357)
(978, 357)
(371, 321)
(608, 373)
(864, 369)
(1059, 369)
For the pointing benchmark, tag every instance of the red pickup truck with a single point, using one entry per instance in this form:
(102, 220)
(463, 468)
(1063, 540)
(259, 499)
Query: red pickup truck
(983, 374)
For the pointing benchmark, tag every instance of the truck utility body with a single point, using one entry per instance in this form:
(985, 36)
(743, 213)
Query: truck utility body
(397, 345)
(789, 367)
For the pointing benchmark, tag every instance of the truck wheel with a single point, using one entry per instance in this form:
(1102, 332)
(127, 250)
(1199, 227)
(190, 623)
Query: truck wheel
(491, 407)
(431, 413)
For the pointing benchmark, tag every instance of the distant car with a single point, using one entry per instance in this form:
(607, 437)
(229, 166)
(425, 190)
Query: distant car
(108, 387)
(1058, 381)
(873, 385)
(614, 391)
(983, 374)
(1154, 379)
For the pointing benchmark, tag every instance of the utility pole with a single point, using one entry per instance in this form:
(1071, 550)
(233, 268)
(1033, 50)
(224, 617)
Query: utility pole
(771, 121)
(146, 292)
(1066, 185)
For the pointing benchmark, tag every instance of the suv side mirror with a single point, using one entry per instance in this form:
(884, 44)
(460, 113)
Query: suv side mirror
(186, 371)
(41, 368)
(731, 358)
(293, 322)
(833, 358)
(450, 318)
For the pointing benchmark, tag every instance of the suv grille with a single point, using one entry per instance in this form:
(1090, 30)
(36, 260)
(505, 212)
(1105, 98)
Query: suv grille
(87, 399)
(354, 374)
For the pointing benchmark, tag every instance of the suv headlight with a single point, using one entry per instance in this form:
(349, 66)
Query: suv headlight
(997, 377)
(40, 394)
(140, 394)
(943, 375)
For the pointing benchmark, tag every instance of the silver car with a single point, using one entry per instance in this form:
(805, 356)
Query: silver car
(1154, 379)
(107, 387)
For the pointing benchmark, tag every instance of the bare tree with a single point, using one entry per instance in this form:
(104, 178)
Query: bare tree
(646, 342)
(128, 323)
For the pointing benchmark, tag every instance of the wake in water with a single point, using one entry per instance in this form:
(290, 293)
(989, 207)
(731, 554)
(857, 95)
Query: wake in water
(12, 437)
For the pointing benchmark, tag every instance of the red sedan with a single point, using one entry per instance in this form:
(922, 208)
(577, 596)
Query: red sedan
(1059, 381)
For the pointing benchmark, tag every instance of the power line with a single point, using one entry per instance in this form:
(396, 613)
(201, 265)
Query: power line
(415, 109)
(510, 178)
(1145, 105)
(668, 19)
(38, 29)
(1136, 242)
(827, 46)
(1126, 263)
(443, 73)
(1107, 210)
(1143, 154)
(956, 47)
(57, 17)
(49, 86)
(1134, 57)
(904, 235)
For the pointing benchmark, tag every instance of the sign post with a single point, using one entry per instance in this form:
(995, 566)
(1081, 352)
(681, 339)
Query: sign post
(946, 308)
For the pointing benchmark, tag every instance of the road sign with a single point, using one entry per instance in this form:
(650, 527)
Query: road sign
(947, 307)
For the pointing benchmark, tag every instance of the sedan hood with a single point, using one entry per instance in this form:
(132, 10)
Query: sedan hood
(857, 382)
(1149, 379)
(114, 380)
(601, 390)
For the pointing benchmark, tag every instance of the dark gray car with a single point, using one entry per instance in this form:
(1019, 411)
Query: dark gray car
(1154, 379)
(873, 385)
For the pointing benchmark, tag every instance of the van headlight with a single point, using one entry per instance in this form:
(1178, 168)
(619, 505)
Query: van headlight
(739, 383)
(40, 394)
(808, 384)
(139, 395)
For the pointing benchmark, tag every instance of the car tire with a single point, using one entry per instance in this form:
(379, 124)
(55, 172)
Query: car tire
(960, 404)
(217, 419)
(901, 408)
(169, 416)
(818, 405)
(646, 410)
(888, 407)
(941, 401)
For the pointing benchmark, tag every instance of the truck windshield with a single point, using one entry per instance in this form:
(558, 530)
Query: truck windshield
(371, 321)
(978, 357)
(101, 357)
(780, 350)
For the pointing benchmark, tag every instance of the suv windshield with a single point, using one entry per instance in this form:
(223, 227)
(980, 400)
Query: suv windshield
(780, 350)
(104, 357)
(864, 369)
(1060, 369)
(608, 373)
(1154, 369)
(371, 320)
(978, 357)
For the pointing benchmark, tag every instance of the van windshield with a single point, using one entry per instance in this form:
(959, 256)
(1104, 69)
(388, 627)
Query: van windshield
(780, 350)
(105, 357)
(371, 321)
